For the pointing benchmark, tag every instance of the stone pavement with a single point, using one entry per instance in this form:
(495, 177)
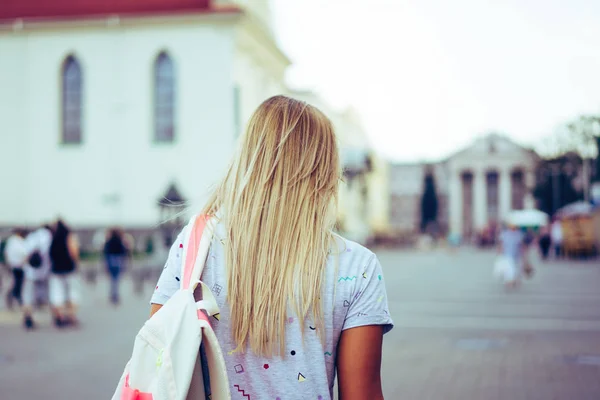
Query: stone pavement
(458, 335)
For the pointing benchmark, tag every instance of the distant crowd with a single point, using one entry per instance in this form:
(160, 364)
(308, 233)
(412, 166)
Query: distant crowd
(44, 264)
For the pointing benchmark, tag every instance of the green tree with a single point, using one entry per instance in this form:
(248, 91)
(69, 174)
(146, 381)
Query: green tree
(554, 187)
(429, 202)
(585, 137)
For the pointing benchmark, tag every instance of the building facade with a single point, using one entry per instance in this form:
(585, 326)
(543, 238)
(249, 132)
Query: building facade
(476, 187)
(407, 185)
(106, 106)
(361, 212)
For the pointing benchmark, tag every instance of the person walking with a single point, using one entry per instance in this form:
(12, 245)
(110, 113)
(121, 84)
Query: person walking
(513, 248)
(15, 255)
(298, 302)
(64, 283)
(556, 234)
(36, 270)
(545, 242)
(115, 255)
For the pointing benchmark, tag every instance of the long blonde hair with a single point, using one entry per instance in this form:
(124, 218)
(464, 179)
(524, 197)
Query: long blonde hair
(278, 204)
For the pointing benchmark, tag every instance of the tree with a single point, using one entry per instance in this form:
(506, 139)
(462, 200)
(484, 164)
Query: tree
(575, 146)
(429, 202)
(585, 135)
(554, 188)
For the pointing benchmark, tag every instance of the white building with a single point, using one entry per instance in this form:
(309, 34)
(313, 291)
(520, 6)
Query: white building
(407, 184)
(105, 105)
(476, 187)
(378, 198)
(354, 213)
(486, 181)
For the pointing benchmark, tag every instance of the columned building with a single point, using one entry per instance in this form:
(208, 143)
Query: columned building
(476, 187)
(488, 180)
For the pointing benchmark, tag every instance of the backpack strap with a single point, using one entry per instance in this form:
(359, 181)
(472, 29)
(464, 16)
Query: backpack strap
(197, 241)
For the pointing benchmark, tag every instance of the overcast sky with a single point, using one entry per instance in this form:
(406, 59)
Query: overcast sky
(428, 76)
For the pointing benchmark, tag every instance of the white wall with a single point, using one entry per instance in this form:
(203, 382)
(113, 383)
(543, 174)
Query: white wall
(255, 82)
(378, 202)
(118, 158)
(14, 162)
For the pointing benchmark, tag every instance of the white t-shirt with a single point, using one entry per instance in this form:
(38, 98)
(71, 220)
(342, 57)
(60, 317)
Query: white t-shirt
(556, 233)
(15, 252)
(353, 296)
(39, 240)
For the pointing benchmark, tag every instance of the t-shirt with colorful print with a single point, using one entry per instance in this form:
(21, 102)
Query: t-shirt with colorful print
(355, 291)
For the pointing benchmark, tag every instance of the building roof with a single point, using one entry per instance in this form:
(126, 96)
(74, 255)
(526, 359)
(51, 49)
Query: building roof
(172, 197)
(489, 144)
(79, 9)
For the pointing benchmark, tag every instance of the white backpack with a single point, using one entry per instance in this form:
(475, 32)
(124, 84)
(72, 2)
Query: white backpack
(166, 360)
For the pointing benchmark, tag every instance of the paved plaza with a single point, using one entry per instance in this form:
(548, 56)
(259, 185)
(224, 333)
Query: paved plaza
(458, 335)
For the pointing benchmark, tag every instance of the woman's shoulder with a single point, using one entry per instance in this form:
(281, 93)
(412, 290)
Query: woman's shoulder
(351, 254)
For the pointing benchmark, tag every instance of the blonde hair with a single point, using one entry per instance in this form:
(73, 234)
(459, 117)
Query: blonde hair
(278, 204)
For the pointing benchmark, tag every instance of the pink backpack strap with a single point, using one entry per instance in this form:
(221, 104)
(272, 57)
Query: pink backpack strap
(193, 245)
(133, 394)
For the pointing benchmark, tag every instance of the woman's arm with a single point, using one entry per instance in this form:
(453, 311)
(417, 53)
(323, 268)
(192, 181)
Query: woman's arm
(154, 308)
(359, 363)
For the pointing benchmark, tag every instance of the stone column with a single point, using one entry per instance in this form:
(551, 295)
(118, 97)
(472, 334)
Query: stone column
(529, 201)
(505, 193)
(455, 202)
(480, 199)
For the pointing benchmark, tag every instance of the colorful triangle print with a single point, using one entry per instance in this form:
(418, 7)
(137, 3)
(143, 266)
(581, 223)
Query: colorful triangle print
(217, 316)
(301, 377)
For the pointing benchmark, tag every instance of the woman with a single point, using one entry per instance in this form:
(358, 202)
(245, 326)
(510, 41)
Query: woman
(545, 243)
(512, 247)
(115, 254)
(297, 301)
(63, 283)
(15, 254)
(36, 269)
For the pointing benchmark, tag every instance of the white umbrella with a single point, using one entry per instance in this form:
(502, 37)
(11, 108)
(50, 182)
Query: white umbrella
(575, 209)
(528, 218)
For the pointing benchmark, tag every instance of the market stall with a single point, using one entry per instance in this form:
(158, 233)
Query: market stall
(577, 222)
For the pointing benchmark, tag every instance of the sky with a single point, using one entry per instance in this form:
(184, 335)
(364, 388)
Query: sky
(429, 76)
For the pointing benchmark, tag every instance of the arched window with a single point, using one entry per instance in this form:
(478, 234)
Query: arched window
(72, 101)
(164, 98)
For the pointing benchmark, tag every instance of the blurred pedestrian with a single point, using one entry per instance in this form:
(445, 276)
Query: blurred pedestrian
(545, 243)
(556, 235)
(512, 247)
(454, 241)
(36, 271)
(64, 283)
(15, 255)
(528, 237)
(115, 254)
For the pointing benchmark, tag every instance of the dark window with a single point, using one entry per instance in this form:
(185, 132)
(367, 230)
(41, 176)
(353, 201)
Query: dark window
(72, 101)
(164, 98)
(517, 190)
